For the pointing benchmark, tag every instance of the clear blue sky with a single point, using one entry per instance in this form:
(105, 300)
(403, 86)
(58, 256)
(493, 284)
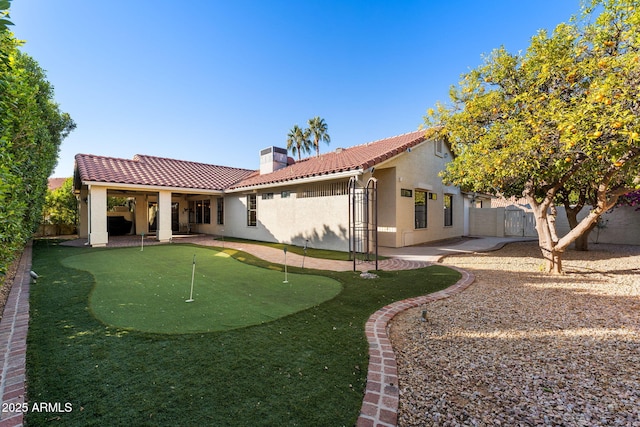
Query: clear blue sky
(216, 81)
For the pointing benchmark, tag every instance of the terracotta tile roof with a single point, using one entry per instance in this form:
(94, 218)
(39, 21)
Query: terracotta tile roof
(55, 183)
(163, 172)
(501, 201)
(157, 171)
(341, 160)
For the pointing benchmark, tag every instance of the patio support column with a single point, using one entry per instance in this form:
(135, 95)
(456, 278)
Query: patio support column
(83, 212)
(141, 215)
(164, 233)
(98, 235)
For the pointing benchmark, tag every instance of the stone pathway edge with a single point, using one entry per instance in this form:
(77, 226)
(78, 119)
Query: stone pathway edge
(380, 403)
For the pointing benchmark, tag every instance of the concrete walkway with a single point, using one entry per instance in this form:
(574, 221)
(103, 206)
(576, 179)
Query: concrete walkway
(276, 256)
(380, 403)
(406, 258)
(436, 251)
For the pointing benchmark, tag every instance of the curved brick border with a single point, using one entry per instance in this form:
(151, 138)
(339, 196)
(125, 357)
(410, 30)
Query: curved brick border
(13, 341)
(380, 404)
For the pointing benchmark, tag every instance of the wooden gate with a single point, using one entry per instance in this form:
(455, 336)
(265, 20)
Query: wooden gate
(518, 222)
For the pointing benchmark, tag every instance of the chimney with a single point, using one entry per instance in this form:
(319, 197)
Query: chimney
(272, 159)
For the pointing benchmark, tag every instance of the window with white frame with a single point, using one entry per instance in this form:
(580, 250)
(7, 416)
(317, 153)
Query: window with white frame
(252, 210)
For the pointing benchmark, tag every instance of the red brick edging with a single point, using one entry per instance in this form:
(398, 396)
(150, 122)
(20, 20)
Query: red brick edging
(380, 404)
(13, 345)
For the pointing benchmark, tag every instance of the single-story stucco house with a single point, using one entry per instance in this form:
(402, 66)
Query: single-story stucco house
(387, 192)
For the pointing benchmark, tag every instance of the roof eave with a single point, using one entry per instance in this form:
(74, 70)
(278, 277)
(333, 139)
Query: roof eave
(154, 188)
(380, 161)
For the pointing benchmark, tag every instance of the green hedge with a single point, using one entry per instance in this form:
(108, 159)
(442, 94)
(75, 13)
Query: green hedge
(32, 128)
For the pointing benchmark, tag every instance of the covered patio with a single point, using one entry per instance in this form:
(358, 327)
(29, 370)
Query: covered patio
(166, 197)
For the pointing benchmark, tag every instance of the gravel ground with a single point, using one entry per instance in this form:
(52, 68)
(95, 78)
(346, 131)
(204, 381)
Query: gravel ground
(522, 348)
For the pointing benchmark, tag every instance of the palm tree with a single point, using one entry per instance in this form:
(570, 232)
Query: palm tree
(318, 128)
(298, 141)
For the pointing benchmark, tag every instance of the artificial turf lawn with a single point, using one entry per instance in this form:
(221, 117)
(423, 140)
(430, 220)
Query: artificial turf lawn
(306, 369)
(146, 290)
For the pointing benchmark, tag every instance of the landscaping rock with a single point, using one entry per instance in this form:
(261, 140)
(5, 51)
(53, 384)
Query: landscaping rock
(367, 275)
(520, 347)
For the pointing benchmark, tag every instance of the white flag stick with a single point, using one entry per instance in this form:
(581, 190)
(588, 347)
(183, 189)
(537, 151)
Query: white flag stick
(193, 274)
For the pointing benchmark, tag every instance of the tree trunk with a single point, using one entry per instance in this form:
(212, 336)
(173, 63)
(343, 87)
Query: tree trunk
(547, 242)
(553, 248)
(554, 263)
(551, 220)
(552, 256)
(582, 242)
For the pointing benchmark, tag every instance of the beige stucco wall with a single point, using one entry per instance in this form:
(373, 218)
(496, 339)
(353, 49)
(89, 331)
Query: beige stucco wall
(321, 220)
(486, 222)
(416, 170)
(387, 206)
(83, 216)
(141, 224)
(619, 226)
(324, 221)
(98, 235)
(213, 228)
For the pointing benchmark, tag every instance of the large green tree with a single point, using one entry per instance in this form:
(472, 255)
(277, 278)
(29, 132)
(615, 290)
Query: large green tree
(319, 132)
(561, 117)
(32, 128)
(61, 206)
(4, 15)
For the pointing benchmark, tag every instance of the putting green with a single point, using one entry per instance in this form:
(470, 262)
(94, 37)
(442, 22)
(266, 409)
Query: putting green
(146, 290)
